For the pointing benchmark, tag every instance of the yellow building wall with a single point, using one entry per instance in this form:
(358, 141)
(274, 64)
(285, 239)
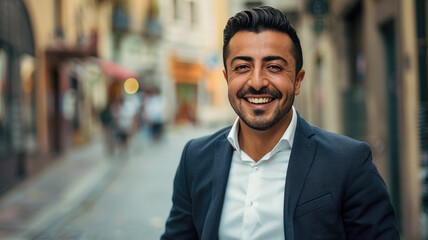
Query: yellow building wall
(138, 10)
(220, 99)
(410, 155)
(104, 30)
(79, 17)
(42, 19)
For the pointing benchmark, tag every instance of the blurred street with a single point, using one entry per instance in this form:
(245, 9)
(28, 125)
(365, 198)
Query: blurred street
(82, 80)
(89, 196)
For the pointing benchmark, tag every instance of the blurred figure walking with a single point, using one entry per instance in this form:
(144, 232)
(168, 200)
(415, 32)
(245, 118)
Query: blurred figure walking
(153, 112)
(108, 117)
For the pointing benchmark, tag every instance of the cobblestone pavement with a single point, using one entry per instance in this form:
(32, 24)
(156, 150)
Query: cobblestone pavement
(45, 198)
(134, 202)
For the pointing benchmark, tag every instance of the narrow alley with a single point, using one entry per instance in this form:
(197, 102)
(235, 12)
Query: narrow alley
(88, 86)
(127, 196)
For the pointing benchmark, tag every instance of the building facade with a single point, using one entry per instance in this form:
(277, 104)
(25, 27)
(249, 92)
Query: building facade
(50, 80)
(192, 43)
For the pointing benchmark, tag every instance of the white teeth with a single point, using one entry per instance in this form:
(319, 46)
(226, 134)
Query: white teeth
(259, 100)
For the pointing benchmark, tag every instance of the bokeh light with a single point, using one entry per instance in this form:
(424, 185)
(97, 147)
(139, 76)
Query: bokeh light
(131, 86)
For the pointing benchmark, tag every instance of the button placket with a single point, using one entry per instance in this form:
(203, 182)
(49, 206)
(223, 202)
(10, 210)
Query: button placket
(249, 213)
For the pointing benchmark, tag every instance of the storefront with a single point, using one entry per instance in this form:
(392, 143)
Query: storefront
(186, 77)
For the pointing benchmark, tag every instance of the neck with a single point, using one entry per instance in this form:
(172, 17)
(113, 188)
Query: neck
(257, 143)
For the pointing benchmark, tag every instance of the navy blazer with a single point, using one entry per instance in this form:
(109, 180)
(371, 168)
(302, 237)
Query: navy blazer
(333, 189)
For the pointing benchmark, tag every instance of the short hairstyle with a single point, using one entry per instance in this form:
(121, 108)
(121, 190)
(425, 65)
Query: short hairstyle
(261, 19)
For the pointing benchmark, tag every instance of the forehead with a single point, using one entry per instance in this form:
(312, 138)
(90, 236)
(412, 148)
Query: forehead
(262, 44)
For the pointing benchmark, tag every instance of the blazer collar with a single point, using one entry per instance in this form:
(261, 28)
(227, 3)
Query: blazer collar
(302, 155)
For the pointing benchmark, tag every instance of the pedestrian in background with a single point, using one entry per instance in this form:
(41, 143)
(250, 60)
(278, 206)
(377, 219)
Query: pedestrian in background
(109, 118)
(154, 115)
(272, 175)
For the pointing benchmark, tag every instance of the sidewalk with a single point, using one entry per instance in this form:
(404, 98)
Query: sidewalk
(56, 194)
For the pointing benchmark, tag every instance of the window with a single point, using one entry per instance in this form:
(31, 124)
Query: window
(121, 19)
(185, 12)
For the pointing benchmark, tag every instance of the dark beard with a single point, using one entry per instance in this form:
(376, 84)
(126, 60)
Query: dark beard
(269, 124)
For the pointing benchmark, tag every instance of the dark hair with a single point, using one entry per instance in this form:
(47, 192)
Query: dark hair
(261, 19)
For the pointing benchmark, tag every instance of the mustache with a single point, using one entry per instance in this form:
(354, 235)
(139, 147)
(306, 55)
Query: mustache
(263, 91)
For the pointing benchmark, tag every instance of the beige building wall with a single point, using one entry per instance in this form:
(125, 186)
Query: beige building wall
(42, 19)
(196, 42)
(376, 104)
(332, 114)
(220, 102)
(104, 23)
(410, 155)
(79, 17)
(333, 48)
(374, 15)
(138, 10)
(330, 47)
(320, 99)
(304, 102)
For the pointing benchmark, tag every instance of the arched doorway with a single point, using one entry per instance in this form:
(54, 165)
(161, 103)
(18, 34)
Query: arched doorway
(18, 131)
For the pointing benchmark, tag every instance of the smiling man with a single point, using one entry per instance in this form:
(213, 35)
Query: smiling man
(271, 175)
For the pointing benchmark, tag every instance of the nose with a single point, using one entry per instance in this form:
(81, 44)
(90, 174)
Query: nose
(258, 80)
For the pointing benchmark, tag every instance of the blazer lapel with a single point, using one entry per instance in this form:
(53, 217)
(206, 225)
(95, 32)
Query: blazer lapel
(301, 157)
(221, 167)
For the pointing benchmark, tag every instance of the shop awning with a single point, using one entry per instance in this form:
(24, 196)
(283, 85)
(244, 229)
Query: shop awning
(117, 71)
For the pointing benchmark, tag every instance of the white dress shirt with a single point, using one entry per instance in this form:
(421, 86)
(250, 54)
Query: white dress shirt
(254, 202)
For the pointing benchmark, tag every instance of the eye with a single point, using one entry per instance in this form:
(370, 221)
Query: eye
(275, 68)
(241, 68)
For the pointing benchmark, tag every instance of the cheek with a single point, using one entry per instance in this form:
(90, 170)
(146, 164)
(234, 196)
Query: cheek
(232, 98)
(289, 76)
(231, 90)
(234, 85)
(285, 86)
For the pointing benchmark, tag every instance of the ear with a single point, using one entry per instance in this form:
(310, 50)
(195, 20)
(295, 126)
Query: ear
(298, 82)
(225, 74)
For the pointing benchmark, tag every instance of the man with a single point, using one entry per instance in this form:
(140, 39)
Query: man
(272, 175)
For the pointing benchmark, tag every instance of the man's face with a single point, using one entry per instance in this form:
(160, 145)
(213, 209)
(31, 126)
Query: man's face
(261, 78)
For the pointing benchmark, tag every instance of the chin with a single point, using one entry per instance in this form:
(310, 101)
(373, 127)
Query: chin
(259, 125)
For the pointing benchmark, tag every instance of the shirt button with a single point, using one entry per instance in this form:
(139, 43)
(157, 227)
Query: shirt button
(250, 203)
(256, 169)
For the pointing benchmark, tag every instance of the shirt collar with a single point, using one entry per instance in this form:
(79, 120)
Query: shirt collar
(286, 141)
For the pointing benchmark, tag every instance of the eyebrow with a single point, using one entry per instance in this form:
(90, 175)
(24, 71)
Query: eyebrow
(272, 58)
(265, 59)
(244, 58)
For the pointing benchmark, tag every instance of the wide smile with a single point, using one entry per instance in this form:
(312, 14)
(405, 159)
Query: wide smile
(259, 100)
